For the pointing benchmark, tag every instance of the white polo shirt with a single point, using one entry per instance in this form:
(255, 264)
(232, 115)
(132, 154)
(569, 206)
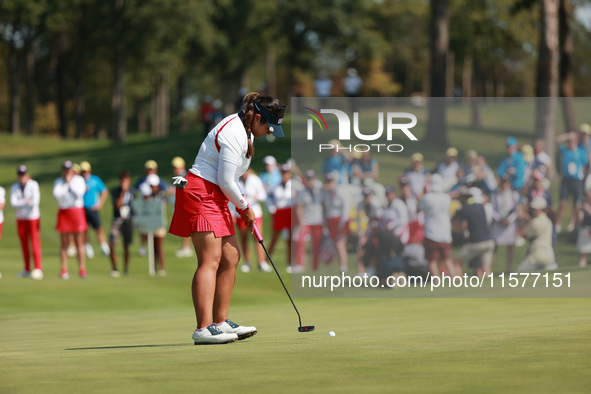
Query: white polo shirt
(26, 200)
(69, 195)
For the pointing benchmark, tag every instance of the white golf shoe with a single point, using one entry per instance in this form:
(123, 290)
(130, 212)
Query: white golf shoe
(89, 251)
(265, 267)
(212, 335)
(37, 274)
(243, 332)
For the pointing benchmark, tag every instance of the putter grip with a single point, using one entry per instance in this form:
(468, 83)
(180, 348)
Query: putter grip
(257, 234)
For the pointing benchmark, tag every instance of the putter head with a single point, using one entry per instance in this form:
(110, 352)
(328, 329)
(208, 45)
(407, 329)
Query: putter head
(306, 329)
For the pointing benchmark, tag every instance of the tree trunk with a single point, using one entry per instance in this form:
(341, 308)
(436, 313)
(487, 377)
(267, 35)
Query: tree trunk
(439, 32)
(160, 109)
(408, 79)
(450, 71)
(60, 78)
(476, 100)
(14, 78)
(467, 77)
(30, 85)
(547, 75)
(79, 98)
(565, 44)
(140, 116)
(118, 115)
(271, 60)
(180, 113)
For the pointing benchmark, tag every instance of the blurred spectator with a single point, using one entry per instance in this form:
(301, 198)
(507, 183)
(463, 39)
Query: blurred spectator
(310, 216)
(574, 161)
(415, 263)
(539, 234)
(505, 204)
(416, 233)
(207, 110)
(542, 160)
(384, 252)
(218, 114)
(584, 237)
(151, 167)
(151, 191)
(94, 199)
(352, 83)
(280, 207)
(239, 103)
(271, 177)
(584, 139)
(323, 85)
(366, 168)
(513, 166)
(25, 197)
(254, 193)
(436, 205)
(537, 190)
(417, 174)
(337, 205)
(179, 169)
(528, 154)
(479, 249)
(2, 204)
(449, 168)
(337, 162)
(369, 215)
(122, 222)
(395, 218)
(69, 191)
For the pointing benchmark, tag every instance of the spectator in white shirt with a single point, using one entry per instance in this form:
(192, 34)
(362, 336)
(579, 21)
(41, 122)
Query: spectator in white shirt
(25, 197)
(69, 192)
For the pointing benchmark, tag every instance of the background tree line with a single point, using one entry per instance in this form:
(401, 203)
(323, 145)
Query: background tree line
(90, 68)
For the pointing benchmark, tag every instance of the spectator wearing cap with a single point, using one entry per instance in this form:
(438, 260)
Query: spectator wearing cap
(513, 165)
(506, 208)
(179, 169)
(478, 251)
(94, 199)
(528, 154)
(537, 190)
(416, 219)
(271, 177)
(448, 168)
(150, 167)
(584, 237)
(151, 190)
(436, 205)
(337, 162)
(310, 217)
(540, 255)
(395, 218)
(336, 205)
(122, 222)
(69, 191)
(369, 215)
(417, 174)
(280, 206)
(574, 162)
(25, 197)
(254, 192)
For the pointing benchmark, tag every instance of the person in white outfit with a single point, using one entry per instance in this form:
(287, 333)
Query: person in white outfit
(69, 191)
(25, 197)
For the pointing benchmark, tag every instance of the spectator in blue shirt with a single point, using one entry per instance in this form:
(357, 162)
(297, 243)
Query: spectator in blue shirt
(94, 199)
(337, 161)
(271, 177)
(574, 160)
(513, 165)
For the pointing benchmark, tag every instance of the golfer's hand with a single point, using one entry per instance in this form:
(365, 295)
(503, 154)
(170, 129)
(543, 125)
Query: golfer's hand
(179, 182)
(248, 218)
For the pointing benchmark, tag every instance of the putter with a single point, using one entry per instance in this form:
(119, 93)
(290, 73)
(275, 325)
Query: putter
(260, 239)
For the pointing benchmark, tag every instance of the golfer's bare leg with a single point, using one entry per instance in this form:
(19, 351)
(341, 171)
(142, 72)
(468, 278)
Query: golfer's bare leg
(79, 237)
(209, 252)
(225, 278)
(65, 242)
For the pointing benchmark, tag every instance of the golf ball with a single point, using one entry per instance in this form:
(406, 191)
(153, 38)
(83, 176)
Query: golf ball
(331, 334)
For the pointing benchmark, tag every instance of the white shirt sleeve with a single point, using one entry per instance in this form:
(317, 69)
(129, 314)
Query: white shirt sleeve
(227, 181)
(17, 199)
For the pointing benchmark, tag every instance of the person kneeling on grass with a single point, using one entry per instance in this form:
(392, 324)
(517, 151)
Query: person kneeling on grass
(540, 255)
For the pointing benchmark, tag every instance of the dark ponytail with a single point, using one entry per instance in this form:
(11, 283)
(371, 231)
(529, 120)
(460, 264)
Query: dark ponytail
(248, 118)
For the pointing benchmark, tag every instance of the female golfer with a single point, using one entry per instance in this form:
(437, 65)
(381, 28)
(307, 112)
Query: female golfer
(201, 212)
